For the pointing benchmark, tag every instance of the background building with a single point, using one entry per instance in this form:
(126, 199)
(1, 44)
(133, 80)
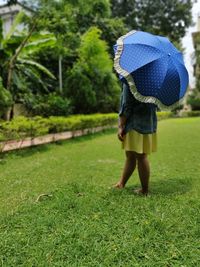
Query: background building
(8, 14)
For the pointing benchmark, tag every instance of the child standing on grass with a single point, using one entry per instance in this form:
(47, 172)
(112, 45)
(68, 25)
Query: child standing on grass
(137, 132)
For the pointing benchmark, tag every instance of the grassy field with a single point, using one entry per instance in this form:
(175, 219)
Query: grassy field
(85, 223)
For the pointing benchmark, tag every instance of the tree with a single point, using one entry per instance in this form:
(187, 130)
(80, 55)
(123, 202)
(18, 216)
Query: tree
(12, 2)
(90, 84)
(112, 29)
(168, 18)
(69, 20)
(17, 61)
(98, 13)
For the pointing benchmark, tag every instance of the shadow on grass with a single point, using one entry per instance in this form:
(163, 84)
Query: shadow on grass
(171, 186)
(26, 152)
(29, 151)
(167, 187)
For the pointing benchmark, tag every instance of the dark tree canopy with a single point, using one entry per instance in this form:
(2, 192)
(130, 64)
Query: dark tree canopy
(12, 2)
(165, 17)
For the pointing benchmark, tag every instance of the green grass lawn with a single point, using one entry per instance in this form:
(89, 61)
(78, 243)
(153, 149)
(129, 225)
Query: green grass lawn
(83, 222)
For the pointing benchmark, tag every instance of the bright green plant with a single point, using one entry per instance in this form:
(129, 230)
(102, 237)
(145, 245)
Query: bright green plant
(21, 127)
(91, 84)
(164, 115)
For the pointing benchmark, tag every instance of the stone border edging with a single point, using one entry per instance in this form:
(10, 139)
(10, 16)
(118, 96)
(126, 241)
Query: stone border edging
(48, 138)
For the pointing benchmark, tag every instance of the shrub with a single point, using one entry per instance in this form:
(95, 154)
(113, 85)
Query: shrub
(194, 99)
(164, 115)
(21, 127)
(194, 113)
(48, 105)
(60, 124)
(195, 103)
(2, 136)
(90, 83)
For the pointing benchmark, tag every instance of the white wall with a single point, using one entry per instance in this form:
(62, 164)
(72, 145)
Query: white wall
(8, 14)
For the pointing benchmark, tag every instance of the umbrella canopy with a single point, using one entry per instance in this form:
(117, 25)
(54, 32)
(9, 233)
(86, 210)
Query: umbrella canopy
(153, 67)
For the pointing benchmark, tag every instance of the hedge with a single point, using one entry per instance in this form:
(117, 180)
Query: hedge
(161, 115)
(193, 113)
(168, 114)
(22, 127)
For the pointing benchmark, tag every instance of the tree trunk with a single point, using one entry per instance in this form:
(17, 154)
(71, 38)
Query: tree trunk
(11, 115)
(60, 75)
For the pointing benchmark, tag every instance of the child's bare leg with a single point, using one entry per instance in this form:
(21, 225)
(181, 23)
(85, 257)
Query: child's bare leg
(129, 167)
(144, 172)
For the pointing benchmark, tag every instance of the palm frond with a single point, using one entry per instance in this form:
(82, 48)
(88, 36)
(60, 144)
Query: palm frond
(40, 35)
(16, 80)
(37, 65)
(33, 75)
(36, 45)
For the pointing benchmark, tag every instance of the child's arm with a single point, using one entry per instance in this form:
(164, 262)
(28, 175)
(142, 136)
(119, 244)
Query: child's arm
(121, 126)
(124, 112)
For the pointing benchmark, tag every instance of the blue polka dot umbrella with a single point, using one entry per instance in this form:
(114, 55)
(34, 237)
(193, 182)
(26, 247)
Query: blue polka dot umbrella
(153, 68)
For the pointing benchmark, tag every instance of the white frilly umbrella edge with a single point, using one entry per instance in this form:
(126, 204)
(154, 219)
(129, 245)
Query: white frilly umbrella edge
(129, 78)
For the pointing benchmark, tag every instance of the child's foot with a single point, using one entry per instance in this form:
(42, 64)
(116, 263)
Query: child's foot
(140, 192)
(118, 185)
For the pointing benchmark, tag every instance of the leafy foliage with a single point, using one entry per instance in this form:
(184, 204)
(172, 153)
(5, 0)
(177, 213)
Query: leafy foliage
(111, 29)
(12, 2)
(90, 83)
(168, 18)
(47, 105)
(21, 127)
(5, 98)
(194, 100)
(23, 67)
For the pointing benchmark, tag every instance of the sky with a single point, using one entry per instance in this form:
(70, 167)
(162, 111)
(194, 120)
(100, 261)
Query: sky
(186, 41)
